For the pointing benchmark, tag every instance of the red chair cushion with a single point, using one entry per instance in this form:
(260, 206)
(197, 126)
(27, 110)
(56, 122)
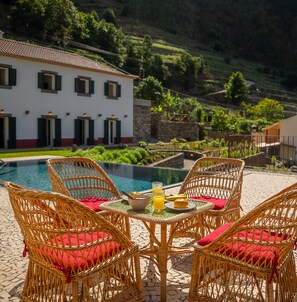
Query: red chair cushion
(94, 202)
(213, 235)
(219, 203)
(251, 252)
(80, 258)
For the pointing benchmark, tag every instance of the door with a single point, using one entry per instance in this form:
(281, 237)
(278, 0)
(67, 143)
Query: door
(112, 132)
(46, 132)
(81, 131)
(2, 133)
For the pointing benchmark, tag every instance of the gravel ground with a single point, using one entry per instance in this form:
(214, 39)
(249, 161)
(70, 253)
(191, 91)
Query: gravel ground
(257, 186)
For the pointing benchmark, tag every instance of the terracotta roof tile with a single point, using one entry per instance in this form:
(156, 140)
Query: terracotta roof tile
(38, 53)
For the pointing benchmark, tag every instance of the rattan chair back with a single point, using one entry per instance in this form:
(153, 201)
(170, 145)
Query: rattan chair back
(252, 259)
(80, 177)
(214, 177)
(74, 253)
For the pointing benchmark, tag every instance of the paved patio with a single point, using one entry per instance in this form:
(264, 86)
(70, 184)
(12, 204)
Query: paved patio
(257, 186)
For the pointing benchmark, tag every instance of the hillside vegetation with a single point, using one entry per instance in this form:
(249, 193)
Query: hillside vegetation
(215, 38)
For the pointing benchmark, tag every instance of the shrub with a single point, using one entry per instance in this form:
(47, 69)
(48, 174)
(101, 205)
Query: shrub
(144, 161)
(150, 160)
(184, 146)
(142, 144)
(142, 151)
(123, 160)
(137, 154)
(80, 153)
(160, 143)
(108, 156)
(132, 158)
(100, 149)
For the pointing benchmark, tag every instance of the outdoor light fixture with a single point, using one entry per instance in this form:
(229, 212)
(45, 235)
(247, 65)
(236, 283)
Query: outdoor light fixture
(112, 116)
(49, 113)
(99, 114)
(27, 112)
(2, 111)
(67, 113)
(85, 115)
(125, 115)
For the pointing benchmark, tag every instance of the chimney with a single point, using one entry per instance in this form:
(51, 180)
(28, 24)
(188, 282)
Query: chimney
(1, 34)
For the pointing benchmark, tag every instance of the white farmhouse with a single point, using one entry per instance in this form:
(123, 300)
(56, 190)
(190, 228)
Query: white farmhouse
(56, 98)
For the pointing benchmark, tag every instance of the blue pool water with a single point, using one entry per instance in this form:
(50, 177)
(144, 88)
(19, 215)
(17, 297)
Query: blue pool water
(34, 174)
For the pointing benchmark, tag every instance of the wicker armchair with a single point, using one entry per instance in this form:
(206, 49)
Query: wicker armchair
(251, 259)
(74, 254)
(84, 180)
(216, 180)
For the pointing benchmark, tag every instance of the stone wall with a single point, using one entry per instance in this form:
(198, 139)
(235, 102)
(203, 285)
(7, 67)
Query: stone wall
(166, 130)
(175, 161)
(142, 120)
(257, 160)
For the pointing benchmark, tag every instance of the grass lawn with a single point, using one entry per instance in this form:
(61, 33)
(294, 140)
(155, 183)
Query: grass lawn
(35, 153)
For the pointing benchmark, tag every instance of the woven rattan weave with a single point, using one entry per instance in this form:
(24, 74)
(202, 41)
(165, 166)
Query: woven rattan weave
(79, 178)
(216, 178)
(253, 259)
(74, 254)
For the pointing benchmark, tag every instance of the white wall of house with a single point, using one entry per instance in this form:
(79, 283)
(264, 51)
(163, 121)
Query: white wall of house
(27, 96)
(288, 131)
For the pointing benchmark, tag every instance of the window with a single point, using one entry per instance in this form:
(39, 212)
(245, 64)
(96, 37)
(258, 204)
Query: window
(49, 81)
(7, 76)
(83, 86)
(112, 90)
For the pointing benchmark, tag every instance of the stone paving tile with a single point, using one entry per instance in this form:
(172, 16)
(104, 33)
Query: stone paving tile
(256, 187)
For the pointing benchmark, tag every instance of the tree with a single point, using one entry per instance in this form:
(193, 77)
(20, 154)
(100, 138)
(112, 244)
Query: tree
(110, 38)
(236, 88)
(150, 89)
(158, 69)
(28, 16)
(146, 49)
(268, 109)
(61, 17)
(190, 68)
(221, 121)
(109, 16)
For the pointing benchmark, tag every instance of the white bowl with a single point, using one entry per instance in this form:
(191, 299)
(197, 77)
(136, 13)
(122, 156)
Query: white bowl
(139, 201)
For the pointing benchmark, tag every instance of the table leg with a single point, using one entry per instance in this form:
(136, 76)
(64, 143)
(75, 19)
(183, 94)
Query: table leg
(163, 255)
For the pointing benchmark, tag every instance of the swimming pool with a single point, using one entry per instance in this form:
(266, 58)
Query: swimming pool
(34, 174)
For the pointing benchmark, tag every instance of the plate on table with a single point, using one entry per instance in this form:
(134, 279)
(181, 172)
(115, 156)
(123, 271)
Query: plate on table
(170, 206)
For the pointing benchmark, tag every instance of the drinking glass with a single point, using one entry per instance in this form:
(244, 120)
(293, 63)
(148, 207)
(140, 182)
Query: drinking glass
(157, 187)
(158, 199)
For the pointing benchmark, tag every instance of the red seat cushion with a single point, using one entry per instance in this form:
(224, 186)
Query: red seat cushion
(78, 258)
(213, 235)
(94, 202)
(250, 252)
(219, 203)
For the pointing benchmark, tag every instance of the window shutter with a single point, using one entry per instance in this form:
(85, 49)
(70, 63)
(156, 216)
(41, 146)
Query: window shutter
(91, 87)
(40, 80)
(41, 132)
(12, 133)
(58, 136)
(12, 77)
(91, 133)
(76, 85)
(77, 135)
(106, 130)
(118, 90)
(118, 137)
(106, 90)
(58, 82)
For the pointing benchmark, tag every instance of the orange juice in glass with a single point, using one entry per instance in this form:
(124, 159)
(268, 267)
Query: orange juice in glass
(159, 201)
